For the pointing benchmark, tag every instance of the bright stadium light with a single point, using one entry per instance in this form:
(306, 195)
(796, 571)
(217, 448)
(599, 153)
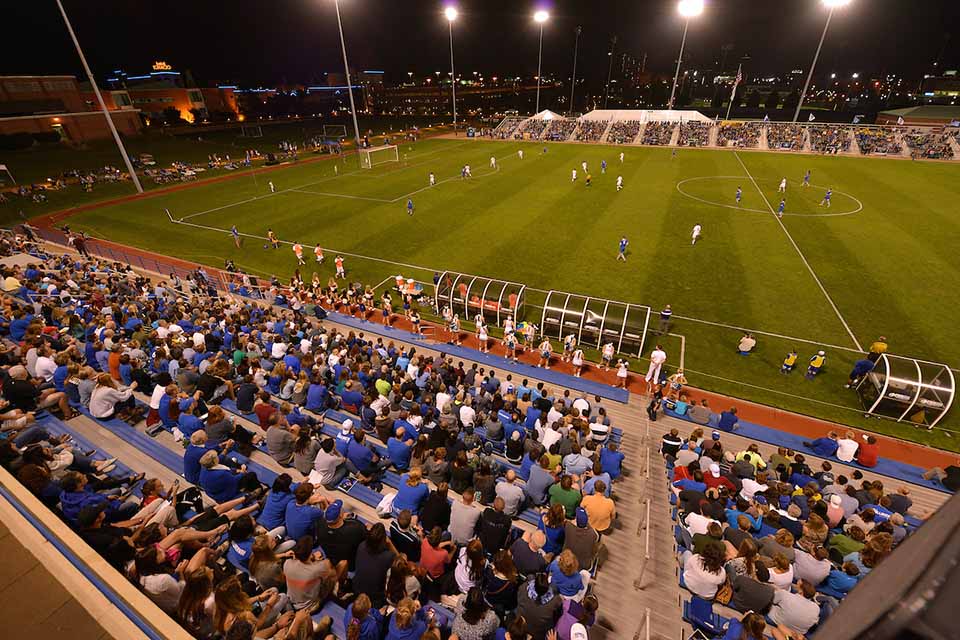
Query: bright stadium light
(688, 9)
(830, 4)
(540, 17)
(451, 14)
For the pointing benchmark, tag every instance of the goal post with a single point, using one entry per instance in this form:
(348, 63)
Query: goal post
(337, 131)
(251, 131)
(374, 156)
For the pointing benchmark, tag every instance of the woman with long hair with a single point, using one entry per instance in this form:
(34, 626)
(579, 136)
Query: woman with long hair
(402, 581)
(474, 620)
(745, 560)
(407, 622)
(552, 523)
(362, 620)
(703, 573)
(265, 564)
(751, 626)
(420, 452)
(305, 450)
(500, 583)
(193, 611)
(436, 509)
(108, 401)
(470, 566)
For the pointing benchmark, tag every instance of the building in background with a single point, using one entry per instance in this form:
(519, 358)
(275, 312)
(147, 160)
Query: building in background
(163, 89)
(48, 105)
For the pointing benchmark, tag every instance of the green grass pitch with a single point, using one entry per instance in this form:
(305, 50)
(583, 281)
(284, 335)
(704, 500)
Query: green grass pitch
(885, 252)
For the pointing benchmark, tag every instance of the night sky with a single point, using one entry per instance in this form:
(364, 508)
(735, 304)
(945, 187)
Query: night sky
(251, 42)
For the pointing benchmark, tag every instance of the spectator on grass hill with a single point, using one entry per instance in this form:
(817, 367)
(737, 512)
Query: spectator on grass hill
(746, 344)
(728, 421)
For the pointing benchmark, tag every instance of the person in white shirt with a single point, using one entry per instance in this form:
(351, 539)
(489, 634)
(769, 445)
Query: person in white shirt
(657, 358)
(619, 183)
(278, 349)
(577, 361)
(45, 365)
(573, 176)
(783, 186)
(493, 162)
(583, 165)
(467, 413)
(621, 157)
(548, 436)
(582, 405)
(697, 523)
(847, 447)
(696, 233)
(554, 414)
(750, 487)
(520, 153)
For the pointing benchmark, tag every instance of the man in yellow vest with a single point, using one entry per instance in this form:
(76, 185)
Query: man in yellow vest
(816, 363)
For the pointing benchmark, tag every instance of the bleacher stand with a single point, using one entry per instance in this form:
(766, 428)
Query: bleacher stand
(533, 128)
(694, 134)
(745, 135)
(658, 132)
(829, 139)
(590, 130)
(872, 140)
(560, 130)
(352, 410)
(928, 145)
(624, 131)
(784, 136)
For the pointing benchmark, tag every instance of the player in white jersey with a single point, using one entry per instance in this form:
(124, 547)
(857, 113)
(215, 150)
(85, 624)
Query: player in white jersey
(619, 183)
(466, 171)
(573, 176)
(493, 162)
(696, 233)
(621, 157)
(583, 165)
(433, 179)
(783, 186)
(520, 153)
(273, 189)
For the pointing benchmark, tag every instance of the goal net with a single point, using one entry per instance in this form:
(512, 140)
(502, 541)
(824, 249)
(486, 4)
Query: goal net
(251, 131)
(337, 131)
(373, 156)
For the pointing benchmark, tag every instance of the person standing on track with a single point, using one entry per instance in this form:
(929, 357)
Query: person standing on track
(657, 357)
(298, 251)
(318, 253)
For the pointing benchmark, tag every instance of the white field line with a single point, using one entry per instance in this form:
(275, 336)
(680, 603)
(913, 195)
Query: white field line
(339, 195)
(315, 182)
(683, 346)
(800, 253)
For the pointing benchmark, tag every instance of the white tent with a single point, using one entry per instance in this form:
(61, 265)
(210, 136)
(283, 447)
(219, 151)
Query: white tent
(644, 115)
(546, 114)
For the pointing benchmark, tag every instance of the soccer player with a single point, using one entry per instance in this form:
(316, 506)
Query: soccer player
(606, 356)
(583, 165)
(298, 251)
(781, 207)
(569, 344)
(826, 198)
(409, 206)
(463, 172)
(806, 179)
(493, 162)
(673, 154)
(622, 253)
(433, 179)
(589, 180)
(318, 253)
(783, 186)
(739, 195)
(573, 175)
(467, 171)
(508, 325)
(273, 189)
(696, 233)
(621, 157)
(619, 183)
(341, 272)
(520, 153)
(272, 237)
(546, 350)
(789, 362)
(236, 235)
(544, 149)
(816, 363)
(603, 166)
(510, 344)
(336, 170)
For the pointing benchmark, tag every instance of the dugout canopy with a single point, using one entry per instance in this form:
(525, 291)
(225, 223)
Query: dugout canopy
(468, 295)
(907, 389)
(595, 321)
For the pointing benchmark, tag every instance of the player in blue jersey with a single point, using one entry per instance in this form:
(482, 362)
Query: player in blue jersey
(739, 195)
(603, 166)
(826, 198)
(781, 207)
(622, 254)
(236, 235)
(806, 179)
(409, 206)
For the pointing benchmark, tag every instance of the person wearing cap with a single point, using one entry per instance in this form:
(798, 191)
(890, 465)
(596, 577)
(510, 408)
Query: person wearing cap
(582, 539)
(713, 479)
(340, 535)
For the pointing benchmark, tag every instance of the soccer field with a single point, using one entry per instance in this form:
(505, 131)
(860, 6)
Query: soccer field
(881, 260)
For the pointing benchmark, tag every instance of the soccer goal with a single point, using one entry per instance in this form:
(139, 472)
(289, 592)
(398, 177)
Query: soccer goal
(373, 156)
(251, 131)
(331, 131)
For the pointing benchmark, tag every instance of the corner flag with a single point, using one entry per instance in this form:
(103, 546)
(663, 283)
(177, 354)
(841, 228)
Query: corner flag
(811, 118)
(900, 120)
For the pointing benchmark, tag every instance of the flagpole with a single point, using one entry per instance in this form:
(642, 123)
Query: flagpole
(733, 94)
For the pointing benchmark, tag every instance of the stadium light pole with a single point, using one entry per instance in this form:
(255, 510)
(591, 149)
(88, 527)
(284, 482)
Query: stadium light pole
(346, 70)
(573, 83)
(688, 9)
(540, 17)
(830, 4)
(103, 105)
(451, 15)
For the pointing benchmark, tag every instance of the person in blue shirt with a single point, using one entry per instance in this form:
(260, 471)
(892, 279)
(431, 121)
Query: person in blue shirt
(126, 369)
(399, 449)
(824, 447)
(222, 484)
(692, 484)
(194, 451)
(62, 372)
(741, 510)
(407, 622)
(274, 510)
(728, 420)
(751, 626)
(241, 542)
(840, 582)
(188, 422)
(411, 493)
(599, 475)
(739, 195)
(781, 207)
(291, 361)
(622, 251)
(566, 576)
(366, 463)
(530, 421)
(304, 511)
(611, 460)
(167, 401)
(806, 179)
(409, 206)
(344, 437)
(317, 395)
(368, 620)
(408, 428)
(860, 368)
(826, 198)
(19, 324)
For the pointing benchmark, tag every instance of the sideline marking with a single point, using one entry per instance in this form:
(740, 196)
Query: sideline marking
(764, 211)
(800, 253)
